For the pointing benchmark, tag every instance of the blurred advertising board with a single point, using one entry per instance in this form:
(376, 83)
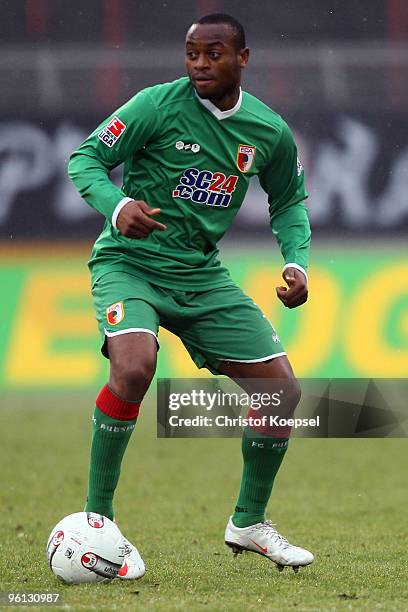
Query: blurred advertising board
(356, 172)
(355, 323)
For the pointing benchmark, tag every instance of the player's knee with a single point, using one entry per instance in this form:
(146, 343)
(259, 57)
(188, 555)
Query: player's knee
(131, 379)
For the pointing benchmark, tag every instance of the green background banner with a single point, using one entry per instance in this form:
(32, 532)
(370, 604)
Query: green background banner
(355, 323)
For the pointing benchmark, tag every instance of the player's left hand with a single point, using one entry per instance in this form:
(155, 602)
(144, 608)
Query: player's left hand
(296, 292)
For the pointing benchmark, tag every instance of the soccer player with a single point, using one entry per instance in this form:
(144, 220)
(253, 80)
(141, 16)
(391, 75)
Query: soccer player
(189, 149)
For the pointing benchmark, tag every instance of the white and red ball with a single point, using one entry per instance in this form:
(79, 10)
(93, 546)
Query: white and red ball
(85, 547)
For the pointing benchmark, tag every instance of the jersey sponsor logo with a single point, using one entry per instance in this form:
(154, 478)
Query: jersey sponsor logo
(187, 146)
(206, 187)
(245, 157)
(115, 313)
(112, 132)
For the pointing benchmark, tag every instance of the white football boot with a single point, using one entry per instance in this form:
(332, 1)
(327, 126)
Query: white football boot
(133, 566)
(263, 539)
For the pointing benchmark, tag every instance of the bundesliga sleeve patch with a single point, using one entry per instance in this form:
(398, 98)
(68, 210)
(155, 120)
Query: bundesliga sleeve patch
(112, 132)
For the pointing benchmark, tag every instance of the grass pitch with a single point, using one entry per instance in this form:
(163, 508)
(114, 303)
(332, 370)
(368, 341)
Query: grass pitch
(345, 500)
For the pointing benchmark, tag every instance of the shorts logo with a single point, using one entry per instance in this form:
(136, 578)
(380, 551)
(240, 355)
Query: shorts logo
(206, 187)
(112, 132)
(245, 157)
(115, 313)
(299, 167)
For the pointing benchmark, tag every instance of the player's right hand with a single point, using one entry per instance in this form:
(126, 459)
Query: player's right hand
(135, 220)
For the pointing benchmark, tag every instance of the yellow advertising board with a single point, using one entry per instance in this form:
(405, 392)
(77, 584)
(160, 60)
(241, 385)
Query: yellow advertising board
(355, 323)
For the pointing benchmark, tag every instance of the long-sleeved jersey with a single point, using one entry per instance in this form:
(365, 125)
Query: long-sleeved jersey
(194, 162)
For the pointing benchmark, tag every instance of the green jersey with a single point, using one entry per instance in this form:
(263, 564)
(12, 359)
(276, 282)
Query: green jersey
(183, 155)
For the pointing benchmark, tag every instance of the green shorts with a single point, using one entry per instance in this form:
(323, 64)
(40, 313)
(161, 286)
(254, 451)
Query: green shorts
(215, 325)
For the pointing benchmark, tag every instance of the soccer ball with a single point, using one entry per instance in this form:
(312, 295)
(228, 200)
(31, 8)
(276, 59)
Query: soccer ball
(85, 547)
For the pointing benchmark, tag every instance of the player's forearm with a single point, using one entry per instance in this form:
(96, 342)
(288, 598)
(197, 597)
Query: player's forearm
(91, 179)
(292, 230)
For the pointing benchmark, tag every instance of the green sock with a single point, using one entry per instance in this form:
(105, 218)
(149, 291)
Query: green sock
(109, 441)
(262, 459)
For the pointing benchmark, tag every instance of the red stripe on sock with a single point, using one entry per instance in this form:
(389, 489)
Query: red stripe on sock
(267, 430)
(115, 407)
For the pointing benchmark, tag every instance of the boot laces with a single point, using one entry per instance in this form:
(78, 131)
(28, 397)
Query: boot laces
(270, 530)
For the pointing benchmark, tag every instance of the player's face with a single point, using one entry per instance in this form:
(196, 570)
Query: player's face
(213, 63)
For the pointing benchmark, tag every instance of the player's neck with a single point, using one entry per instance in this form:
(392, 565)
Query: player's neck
(228, 101)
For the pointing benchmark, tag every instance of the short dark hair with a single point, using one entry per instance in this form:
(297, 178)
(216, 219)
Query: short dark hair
(238, 30)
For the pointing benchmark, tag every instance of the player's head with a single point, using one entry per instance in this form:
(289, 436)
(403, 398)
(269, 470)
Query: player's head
(216, 52)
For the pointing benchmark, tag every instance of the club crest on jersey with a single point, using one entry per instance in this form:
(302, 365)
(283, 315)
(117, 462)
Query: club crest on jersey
(115, 313)
(206, 187)
(112, 132)
(245, 157)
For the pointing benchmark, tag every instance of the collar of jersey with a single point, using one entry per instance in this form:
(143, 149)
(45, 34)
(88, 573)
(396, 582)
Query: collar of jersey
(219, 114)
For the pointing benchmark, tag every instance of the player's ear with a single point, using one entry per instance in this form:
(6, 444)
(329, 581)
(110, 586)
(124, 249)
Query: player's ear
(243, 57)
